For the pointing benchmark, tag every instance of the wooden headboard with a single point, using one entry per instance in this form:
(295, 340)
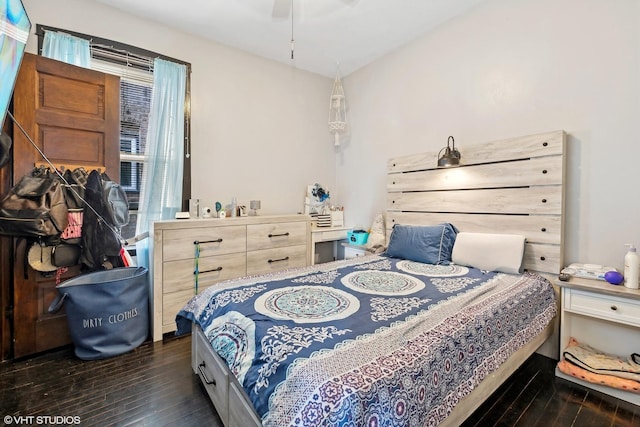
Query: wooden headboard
(511, 186)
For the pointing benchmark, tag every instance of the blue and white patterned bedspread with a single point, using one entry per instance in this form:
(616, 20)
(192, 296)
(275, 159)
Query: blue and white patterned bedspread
(370, 341)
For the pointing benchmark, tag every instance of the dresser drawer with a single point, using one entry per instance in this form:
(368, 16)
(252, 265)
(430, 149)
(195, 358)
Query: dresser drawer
(270, 260)
(179, 244)
(172, 303)
(277, 235)
(178, 275)
(179, 282)
(603, 306)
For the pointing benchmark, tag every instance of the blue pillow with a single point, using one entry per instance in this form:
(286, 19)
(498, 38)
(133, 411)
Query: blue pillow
(427, 244)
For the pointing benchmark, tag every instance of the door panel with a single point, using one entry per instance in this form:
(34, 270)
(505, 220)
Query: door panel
(72, 114)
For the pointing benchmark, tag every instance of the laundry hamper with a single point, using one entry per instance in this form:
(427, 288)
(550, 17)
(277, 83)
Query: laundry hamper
(107, 311)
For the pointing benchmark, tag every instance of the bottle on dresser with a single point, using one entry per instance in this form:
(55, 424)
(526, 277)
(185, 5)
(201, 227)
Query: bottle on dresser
(631, 268)
(234, 207)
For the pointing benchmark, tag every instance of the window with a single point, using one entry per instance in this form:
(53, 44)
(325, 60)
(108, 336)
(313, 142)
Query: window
(135, 103)
(135, 68)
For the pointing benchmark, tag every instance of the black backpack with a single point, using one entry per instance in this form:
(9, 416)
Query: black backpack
(106, 211)
(35, 207)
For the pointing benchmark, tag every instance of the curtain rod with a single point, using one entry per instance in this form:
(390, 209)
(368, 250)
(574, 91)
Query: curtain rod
(108, 45)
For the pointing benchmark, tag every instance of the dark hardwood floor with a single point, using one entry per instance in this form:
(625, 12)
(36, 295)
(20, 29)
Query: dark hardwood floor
(154, 385)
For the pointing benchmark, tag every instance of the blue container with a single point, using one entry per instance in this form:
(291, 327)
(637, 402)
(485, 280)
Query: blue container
(107, 311)
(357, 237)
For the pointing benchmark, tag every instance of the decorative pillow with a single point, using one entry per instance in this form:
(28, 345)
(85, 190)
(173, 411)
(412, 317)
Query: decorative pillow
(486, 251)
(377, 233)
(427, 244)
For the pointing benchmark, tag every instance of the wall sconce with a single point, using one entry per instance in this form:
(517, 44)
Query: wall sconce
(451, 156)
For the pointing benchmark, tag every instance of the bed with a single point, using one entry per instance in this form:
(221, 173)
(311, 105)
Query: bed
(398, 339)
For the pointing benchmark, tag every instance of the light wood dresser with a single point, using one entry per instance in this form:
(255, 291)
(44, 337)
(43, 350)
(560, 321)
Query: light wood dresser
(228, 248)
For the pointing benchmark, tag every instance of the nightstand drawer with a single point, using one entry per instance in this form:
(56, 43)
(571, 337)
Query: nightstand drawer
(354, 252)
(321, 236)
(603, 306)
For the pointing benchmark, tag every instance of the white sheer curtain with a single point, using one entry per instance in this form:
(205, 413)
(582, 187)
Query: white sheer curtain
(66, 48)
(161, 192)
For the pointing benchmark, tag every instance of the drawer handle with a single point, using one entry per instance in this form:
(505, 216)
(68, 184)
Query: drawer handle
(278, 260)
(614, 308)
(279, 235)
(197, 242)
(204, 375)
(208, 271)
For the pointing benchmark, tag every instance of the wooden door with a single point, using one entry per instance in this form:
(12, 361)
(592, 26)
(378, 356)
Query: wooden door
(73, 115)
(5, 259)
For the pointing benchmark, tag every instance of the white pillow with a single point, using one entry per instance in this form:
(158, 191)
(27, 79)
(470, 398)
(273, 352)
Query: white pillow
(486, 251)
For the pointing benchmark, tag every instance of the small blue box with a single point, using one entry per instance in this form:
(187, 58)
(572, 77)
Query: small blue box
(357, 237)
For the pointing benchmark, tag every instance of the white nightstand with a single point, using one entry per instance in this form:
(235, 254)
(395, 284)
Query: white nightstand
(327, 234)
(604, 316)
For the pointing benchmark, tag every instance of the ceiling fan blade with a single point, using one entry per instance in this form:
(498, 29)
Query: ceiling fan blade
(281, 9)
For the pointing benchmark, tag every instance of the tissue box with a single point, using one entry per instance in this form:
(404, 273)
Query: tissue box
(357, 237)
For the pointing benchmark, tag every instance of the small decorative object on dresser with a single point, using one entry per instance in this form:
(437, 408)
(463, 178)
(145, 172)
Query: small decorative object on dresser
(194, 208)
(254, 205)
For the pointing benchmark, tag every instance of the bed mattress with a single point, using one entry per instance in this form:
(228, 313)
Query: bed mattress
(368, 341)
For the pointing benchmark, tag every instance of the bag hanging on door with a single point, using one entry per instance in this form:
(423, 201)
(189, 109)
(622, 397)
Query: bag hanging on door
(76, 181)
(34, 207)
(106, 211)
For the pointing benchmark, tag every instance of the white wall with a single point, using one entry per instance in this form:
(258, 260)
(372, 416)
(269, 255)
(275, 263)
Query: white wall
(506, 68)
(259, 128)
(509, 68)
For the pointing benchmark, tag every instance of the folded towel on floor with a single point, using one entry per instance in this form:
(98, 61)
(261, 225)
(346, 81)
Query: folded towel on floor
(608, 380)
(595, 361)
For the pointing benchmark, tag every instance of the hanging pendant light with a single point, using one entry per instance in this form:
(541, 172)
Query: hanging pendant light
(292, 41)
(337, 110)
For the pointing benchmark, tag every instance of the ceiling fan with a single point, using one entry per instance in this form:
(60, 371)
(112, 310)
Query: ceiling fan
(282, 9)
